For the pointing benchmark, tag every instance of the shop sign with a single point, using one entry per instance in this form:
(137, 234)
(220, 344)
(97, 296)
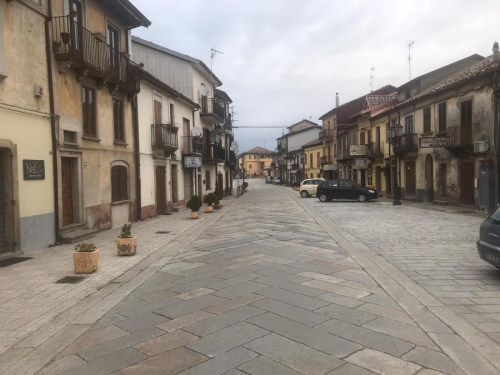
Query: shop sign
(361, 163)
(193, 162)
(330, 167)
(358, 150)
(34, 169)
(430, 142)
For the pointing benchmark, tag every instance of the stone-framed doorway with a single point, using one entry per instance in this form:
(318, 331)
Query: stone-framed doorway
(10, 198)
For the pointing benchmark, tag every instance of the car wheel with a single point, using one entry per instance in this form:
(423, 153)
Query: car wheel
(323, 198)
(304, 194)
(362, 198)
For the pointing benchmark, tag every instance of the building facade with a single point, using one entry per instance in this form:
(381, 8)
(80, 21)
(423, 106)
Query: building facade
(313, 159)
(256, 162)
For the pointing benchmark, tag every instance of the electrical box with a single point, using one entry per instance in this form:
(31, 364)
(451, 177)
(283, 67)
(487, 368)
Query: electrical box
(486, 185)
(480, 146)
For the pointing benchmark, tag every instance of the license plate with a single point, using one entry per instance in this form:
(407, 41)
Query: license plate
(493, 257)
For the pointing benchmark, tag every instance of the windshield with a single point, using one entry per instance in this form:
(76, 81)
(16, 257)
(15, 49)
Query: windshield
(495, 216)
(355, 183)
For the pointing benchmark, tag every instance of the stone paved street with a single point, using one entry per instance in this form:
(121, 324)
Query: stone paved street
(277, 284)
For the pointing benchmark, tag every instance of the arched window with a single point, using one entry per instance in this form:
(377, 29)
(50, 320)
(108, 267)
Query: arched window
(119, 183)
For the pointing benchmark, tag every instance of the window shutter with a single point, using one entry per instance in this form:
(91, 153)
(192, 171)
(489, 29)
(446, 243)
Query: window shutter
(207, 180)
(123, 184)
(119, 183)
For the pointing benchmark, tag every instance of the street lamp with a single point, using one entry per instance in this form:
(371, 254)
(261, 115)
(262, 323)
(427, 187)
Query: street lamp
(394, 132)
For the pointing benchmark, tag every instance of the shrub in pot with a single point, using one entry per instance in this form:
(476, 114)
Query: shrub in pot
(194, 205)
(218, 203)
(126, 244)
(295, 186)
(210, 200)
(245, 185)
(85, 258)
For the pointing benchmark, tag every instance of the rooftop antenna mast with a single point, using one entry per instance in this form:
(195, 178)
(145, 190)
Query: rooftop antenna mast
(213, 52)
(371, 78)
(410, 44)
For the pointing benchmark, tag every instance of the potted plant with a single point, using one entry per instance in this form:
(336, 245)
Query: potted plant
(126, 244)
(66, 37)
(210, 200)
(73, 13)
(85, 258)
(125, 55)
(194, 205)
(245, 185)
(56, 46)
(220, 200)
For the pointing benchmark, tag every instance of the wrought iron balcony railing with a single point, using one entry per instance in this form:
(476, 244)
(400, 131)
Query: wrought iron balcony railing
(164, 136)
(214, 108)
(326, 135)
(192, 145)
(90, 54)
(328, 159)
(459, 136)
(406, 142)
(375, 149)
(344, 154)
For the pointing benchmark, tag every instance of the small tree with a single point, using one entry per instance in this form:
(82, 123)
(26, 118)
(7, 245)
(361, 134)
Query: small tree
(194, 203)
(85, 247)
(210, 199)
(126, 231)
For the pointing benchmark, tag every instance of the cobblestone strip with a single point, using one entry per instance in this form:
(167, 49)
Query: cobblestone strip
(470, 343)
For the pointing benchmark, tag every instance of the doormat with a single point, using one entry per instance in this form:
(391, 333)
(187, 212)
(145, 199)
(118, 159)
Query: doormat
(10, 261)
(163, 232)
(70, 280)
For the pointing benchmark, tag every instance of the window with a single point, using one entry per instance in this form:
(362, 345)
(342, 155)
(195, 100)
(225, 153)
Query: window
(427, 120)
(318, 159)
(249, 166)
(354, 139)
(319, 175)
(466, 113)
(311, 175)
(69, 137)
(442, 117)
(311, 159)
(88, 111)
(262, 165)
(172, 114)
(207, 179)
(119, 183)
(114, 43)
(409, 124)
(362, 138)
(118, 121)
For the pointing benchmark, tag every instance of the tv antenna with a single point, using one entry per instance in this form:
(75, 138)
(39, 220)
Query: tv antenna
(410, 44)
(213, 52)
(371, 78)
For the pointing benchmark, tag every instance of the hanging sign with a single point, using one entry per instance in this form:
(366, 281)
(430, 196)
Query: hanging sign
(34, 169)
(193, 161)
(430, 142)
(358, 150)
(361, 163)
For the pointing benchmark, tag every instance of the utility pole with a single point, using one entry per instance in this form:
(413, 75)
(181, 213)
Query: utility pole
(410, 44)
(371, 78)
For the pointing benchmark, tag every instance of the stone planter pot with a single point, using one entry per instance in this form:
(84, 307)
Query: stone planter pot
(220, 202)
(126, 246)
(86, 262)
(194, 215)
(209, 209)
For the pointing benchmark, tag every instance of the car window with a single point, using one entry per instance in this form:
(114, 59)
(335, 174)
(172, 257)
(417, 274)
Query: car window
(345, 184)
(306, 182)
(317, 182)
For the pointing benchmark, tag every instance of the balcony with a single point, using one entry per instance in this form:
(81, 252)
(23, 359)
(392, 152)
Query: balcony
(375, 150)
(228, 124)
(273, 164)
(326, 135)
(344, 154)
(209, 151)
(326, 159)
(213, 109)
(232, 160)
(406, 143)
(297, 166)
(164, 136)
(89, 54)
(459, 136)
(192, 145)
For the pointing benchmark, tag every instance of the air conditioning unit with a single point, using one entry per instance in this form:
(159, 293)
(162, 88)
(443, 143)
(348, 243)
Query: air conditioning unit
(480, 146)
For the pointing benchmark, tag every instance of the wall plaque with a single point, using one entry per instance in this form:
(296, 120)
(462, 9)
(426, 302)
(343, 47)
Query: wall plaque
(193, 161)
(358, 150)
(34, 169)
(429, 142)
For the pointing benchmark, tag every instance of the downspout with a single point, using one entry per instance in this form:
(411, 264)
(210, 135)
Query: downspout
(137, 154)
(195, 179)
(52, 122)
(496, 135)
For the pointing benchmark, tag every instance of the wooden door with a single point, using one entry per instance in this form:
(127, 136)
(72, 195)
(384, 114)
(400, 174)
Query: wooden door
(411, 179)
(220, 185)
(161, 191)
(467, 184)
(378, 180)
(76, 28)
(188, 184)
(173, 179)
(157, 119)
(186, 133)
(3, 242)
(114, 43)
(67, 191)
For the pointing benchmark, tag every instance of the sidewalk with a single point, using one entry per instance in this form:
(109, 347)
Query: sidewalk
(30, 297)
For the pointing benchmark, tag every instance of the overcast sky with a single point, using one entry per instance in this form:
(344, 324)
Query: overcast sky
(284, 60)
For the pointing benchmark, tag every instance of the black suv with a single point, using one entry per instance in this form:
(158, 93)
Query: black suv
(343, 189)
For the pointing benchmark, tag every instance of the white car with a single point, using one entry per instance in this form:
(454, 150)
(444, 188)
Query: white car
(309, 187)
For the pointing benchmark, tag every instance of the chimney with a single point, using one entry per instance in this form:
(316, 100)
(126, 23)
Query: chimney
(337, 94)
(495, 52)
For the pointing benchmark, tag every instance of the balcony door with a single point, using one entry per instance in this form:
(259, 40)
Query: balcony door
(161, 190)
(157, 118)
(76, 27)
(114, 43)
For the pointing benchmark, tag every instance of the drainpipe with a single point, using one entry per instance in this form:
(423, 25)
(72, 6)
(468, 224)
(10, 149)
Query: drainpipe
(195, 179)
(137, 154)
(397, 189)
(52, 122)
(496, 133)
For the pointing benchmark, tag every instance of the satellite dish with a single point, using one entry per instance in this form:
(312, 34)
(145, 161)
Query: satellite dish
(234, 146)
(197, 132)
(204, 90)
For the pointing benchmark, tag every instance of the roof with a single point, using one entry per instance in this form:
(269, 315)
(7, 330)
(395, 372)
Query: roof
(168, 51)
(382, 91)
(299, 131)
(315, 142)
(127, 12)
(480, 68)
(376, 100)
(162, 85)
(259, 151)
(388, 102)
(223, 95)
(313, 123)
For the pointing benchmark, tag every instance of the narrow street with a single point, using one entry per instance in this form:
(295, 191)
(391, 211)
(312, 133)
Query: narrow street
(277, 284)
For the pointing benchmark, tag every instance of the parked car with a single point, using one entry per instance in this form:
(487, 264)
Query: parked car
(343, 189)
(308, 187)
(488, 245)
(277, 181)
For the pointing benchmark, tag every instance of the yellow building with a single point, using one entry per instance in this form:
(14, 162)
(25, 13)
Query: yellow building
(313, 157)
(256, 162)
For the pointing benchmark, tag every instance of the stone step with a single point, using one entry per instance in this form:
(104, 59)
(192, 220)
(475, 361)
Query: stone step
(77, 236)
